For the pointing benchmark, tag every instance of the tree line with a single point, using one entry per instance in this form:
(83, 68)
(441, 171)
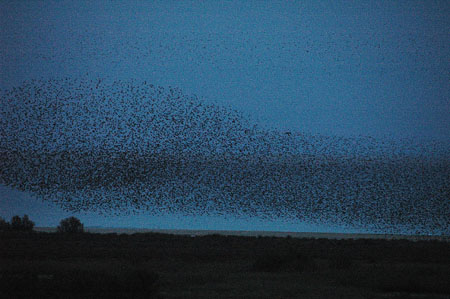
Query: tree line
(24, 224)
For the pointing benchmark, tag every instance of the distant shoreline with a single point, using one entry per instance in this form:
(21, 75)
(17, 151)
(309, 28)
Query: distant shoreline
(315, 235)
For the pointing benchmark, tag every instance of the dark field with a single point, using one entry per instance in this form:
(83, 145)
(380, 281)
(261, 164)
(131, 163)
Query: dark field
(153, 265)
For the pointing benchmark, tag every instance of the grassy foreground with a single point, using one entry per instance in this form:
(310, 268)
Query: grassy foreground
(153, 265)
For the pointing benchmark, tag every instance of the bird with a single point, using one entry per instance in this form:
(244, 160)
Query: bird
(126, 146)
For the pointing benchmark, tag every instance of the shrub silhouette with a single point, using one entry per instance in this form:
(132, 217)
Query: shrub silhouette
(291, 262)
(269, 262)
(340, 262)
(4, 226)
(31, 284)
(16, 222)
(301, 263)
(15, 282)
(70, 225)
(21, 224)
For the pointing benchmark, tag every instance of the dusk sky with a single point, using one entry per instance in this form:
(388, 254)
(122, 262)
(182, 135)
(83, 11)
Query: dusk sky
(331, 68)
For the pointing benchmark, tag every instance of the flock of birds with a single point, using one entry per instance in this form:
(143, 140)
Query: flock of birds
(326, 51)
(129, 146)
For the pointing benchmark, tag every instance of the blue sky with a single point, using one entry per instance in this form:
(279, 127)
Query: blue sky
(377, 68)
(345, 68)
(47, 214)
